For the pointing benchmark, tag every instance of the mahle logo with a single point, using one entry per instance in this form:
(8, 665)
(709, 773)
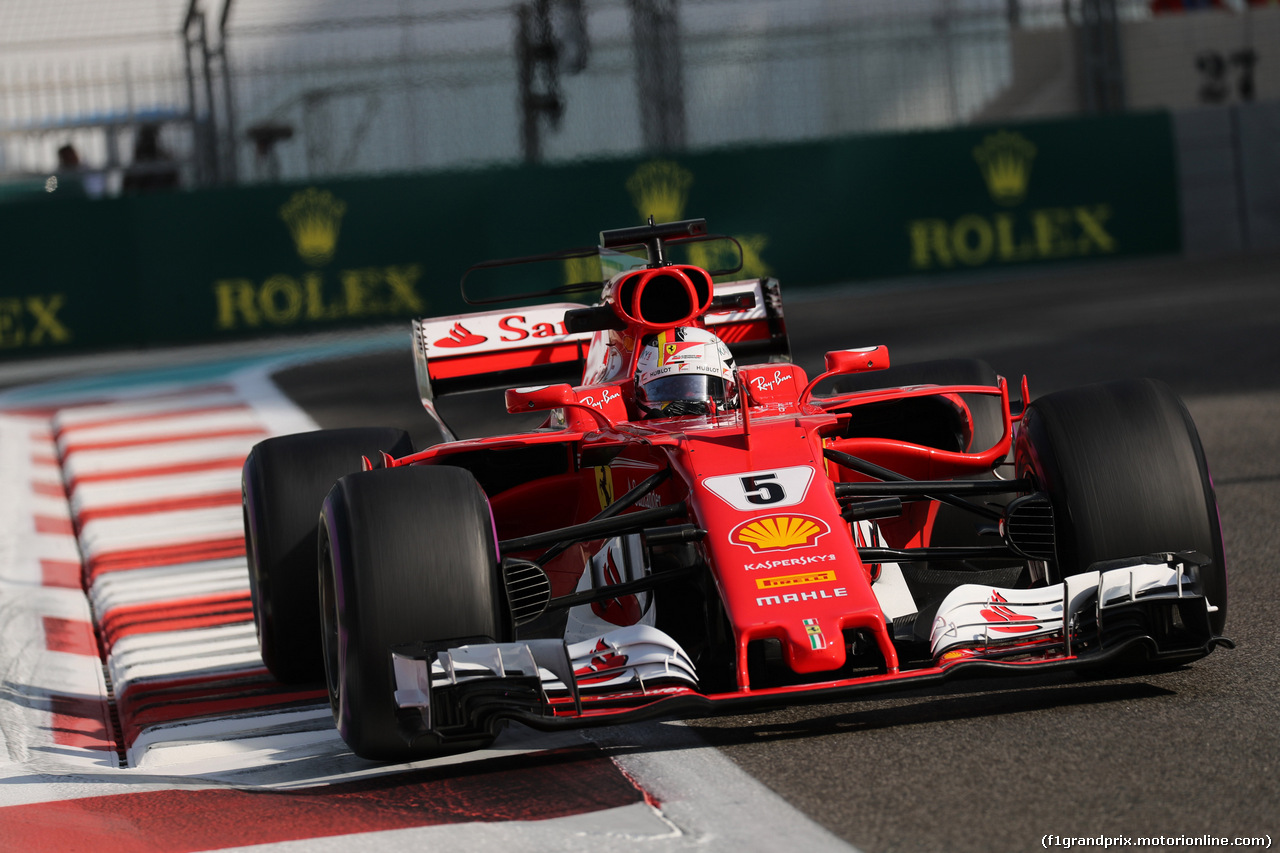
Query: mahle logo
(314, 217)
(1005, 160)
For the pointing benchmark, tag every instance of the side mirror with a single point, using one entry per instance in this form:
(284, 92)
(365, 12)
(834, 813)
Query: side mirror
(842, 361)
(540, 398)
(858, 360)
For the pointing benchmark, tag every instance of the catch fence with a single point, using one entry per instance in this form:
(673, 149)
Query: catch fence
(244, 91)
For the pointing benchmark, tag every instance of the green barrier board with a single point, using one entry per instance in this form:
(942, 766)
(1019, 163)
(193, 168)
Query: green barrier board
(212, 264)
(67, 277)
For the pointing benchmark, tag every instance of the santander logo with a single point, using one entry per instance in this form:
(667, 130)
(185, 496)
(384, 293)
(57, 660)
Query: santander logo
(460, 336)
(998, 612)
(500, 331)
(602, 661)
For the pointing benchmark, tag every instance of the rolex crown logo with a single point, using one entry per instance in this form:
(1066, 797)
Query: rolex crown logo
(1005, 159)
(660, 189)
(313, 217)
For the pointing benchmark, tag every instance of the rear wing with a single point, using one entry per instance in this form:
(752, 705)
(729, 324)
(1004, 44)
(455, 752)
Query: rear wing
(531, 346)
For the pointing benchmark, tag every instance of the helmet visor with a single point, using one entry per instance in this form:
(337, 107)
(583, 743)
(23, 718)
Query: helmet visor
(687, 387)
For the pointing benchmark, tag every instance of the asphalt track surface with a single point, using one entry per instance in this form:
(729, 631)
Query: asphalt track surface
(999, 764)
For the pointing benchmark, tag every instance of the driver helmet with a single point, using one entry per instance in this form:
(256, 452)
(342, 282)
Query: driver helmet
(684, 371)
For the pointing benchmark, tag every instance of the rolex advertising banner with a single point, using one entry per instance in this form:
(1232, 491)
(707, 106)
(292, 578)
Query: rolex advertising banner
(236, 262)
(66, 277)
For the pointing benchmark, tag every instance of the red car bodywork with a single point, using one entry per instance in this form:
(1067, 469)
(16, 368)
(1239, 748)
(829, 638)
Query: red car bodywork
(763, 488)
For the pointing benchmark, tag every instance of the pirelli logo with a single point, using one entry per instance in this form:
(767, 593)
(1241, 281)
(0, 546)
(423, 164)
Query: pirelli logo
(795, 580)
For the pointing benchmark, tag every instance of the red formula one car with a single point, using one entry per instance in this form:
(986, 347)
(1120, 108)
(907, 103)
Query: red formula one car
(685, 533)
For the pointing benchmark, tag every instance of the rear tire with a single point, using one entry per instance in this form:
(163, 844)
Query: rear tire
(406, 555)
(284, 483)
(1125, 470)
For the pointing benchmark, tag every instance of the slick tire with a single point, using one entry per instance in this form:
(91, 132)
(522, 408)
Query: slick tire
(284, 483)
(988, 424)
(407, 555)
(1123, 465)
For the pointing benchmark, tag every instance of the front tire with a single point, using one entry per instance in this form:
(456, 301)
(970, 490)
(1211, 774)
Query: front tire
(1124, 467)
(284, 483)
(406, 555)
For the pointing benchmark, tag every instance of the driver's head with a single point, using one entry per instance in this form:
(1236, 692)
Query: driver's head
(684, 371)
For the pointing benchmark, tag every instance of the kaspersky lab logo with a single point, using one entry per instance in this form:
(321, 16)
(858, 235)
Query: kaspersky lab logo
(1013, 235)
(314, 217)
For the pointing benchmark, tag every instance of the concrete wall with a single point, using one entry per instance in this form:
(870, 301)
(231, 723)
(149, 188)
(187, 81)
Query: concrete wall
(1229, 177)
(1172, 62)
(1259, 158)
(1044, 77)
(1181, 61)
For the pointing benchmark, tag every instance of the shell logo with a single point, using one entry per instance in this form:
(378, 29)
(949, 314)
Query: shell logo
(776, 532)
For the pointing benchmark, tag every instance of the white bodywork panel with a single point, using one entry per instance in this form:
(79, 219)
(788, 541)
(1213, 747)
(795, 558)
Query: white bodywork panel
(980, 617)
(638, 655)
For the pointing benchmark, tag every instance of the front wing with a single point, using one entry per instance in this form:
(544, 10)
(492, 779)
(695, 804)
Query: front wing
(1147, 609)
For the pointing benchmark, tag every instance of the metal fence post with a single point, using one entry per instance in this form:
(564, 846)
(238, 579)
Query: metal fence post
(659, 73)
(1101, 62)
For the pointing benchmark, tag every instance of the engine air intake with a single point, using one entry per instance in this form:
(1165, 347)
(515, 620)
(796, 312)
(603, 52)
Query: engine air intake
(664, 297)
